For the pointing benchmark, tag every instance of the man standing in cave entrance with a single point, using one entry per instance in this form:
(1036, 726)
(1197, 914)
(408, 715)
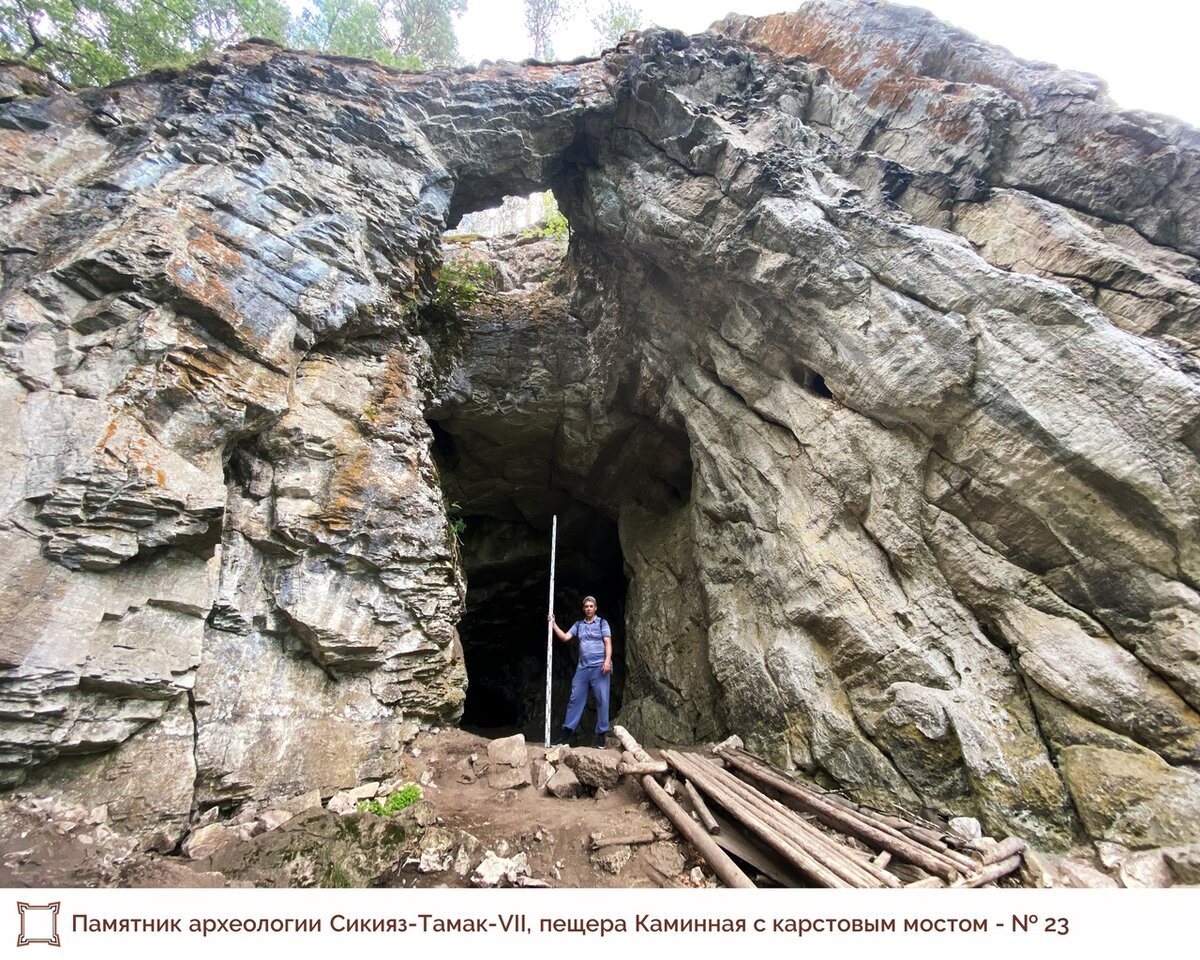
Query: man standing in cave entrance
(594, 671)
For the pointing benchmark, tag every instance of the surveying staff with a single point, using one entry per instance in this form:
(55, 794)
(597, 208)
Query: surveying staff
(594, 671)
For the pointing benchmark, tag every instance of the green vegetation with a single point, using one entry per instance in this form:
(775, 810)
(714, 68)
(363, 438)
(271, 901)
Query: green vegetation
(95, 42)
(408, 34)
(399, 800)
(556, 221)
(457, 524)
(617, 19)
(461, 283)
(99, 41)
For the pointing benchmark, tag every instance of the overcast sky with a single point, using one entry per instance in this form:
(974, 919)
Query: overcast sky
(1145, 50)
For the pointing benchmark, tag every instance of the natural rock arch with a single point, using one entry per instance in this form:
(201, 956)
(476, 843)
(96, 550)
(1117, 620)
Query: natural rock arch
(930, 387)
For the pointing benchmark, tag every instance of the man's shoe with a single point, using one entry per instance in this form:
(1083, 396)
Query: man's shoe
(600, 741)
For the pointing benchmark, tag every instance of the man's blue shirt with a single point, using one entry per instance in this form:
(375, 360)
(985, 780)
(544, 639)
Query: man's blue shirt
(591, 640)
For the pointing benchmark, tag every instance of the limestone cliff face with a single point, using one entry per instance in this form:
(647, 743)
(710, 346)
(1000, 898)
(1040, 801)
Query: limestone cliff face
(876, 346)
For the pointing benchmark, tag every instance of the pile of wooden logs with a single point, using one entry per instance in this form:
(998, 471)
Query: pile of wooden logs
(799, 835)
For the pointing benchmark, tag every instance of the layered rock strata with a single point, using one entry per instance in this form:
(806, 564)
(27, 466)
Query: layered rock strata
(876, 343)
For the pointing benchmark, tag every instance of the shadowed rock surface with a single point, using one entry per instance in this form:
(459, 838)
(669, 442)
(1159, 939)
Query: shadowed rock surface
(875, 346)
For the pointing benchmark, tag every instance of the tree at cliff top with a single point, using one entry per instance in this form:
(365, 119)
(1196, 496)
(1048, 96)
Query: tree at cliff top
(541, 17)
(95, 42)
(615, 20)
(425, 29)
(411, 34)
(98, 41)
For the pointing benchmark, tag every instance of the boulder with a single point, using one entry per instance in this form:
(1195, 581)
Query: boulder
(301, 802)
(464, 856)
(665, 856)
(595, 767)
(270, 819)
(966, 828)
(346, 801)
(506, 778)
(318, 848)
(207, 840)
(612, 859)
(1045, 870)
(1132, 797)
(564, 784)
(541, 771)
(509, 751)
(1184, 863)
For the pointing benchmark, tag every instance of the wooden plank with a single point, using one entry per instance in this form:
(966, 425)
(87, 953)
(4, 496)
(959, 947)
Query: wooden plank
(743, 846)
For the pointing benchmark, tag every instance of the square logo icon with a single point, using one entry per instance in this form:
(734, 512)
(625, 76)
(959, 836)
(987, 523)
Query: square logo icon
(39, 924)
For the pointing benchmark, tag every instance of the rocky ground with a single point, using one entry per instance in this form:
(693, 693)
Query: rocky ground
(491, 813)
(468, 829)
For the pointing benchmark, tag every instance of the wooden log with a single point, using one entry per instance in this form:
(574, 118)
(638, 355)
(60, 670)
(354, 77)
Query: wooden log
(631, 839)
(630, 744)
(927, 883)
(907, 872)
(883, 859)
(791, 827)
(878, 822)
(663, 879)
(752, 819)
(856, 870)
(700, 807)
(991, 873)
(855, 824)
(728, 872)
(1006, 848)
(930, 838)
(656, 767)
(798, 857)
(803, 834)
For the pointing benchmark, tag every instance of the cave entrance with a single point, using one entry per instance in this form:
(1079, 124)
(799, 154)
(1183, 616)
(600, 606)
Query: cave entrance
(503, 629)
(505, 547)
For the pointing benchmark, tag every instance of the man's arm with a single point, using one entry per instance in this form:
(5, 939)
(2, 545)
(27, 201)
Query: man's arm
(563, 635)
(607, 668)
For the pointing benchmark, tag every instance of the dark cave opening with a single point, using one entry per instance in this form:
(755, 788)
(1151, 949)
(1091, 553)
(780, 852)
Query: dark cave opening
(505, 549)
(503, 630)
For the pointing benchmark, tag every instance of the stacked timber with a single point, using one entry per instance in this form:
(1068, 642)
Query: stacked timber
(797, 834)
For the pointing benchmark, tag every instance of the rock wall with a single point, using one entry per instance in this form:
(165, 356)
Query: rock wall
(220, 501)
(878, 345)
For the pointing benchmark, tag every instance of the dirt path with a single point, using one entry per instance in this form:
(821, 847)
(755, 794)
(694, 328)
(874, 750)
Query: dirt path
(46, 843)
(555, 834)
